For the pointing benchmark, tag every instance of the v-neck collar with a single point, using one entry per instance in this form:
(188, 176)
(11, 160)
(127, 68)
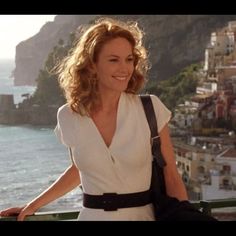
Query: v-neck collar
(108, 148)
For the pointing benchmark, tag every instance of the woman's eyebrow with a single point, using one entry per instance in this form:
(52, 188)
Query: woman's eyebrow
(112, 55)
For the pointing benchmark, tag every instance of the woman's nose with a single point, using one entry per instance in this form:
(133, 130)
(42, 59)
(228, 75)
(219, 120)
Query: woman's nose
(124, 67)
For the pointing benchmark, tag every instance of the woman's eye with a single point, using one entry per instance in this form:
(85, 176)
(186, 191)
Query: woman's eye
(116, 60)
(130, 59)
(113, 60)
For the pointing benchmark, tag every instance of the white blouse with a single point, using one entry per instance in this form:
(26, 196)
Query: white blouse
(124, 166)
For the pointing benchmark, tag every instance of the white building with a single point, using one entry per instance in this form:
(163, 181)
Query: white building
(207, 87)
(222, 43)
(223, 180)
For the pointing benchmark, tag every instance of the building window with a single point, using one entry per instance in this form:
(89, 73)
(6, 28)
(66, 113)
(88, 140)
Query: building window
(226, 169)
(201, 169)
(178, 163)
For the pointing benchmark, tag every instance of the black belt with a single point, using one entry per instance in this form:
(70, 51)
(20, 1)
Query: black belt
(113, 201)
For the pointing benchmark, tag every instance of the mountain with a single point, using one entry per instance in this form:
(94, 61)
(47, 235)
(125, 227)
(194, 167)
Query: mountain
(173, 41)
(32, 53)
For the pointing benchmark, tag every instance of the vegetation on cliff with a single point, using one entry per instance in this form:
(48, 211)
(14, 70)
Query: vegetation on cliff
(178, 88)
(48, 91)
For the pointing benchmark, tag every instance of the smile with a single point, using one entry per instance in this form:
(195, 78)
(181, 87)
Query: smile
(120, 77)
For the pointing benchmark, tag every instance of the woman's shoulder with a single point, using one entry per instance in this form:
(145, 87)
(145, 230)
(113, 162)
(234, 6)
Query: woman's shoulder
(129, 95)
(136, 97)
(64, 108)
(157, 103)
(65, 111)
(156, 100)
(66, 125)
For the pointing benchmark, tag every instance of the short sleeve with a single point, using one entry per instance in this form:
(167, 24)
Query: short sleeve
(57, 132)
(163, 114)
(65, 128)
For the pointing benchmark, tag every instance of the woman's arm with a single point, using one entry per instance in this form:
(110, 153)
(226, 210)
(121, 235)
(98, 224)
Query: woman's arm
(64, 184)
(174, 184)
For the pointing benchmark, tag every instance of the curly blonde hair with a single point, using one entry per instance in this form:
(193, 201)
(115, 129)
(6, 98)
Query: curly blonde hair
(75, 74)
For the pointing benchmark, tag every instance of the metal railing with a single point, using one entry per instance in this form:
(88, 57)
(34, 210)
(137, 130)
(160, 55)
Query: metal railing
(47, 216)
(206, 206)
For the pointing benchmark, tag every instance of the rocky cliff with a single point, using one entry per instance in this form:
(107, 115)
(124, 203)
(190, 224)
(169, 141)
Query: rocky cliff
(32, 53)
(174, 41)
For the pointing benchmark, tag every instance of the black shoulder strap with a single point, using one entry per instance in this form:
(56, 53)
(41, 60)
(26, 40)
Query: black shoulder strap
(158, 179)
(150, 114)
(152, 122)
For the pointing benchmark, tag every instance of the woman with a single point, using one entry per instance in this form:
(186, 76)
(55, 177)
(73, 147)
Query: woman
(104, 126)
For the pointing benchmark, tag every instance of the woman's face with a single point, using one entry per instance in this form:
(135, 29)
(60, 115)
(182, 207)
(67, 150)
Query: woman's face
(115, 65)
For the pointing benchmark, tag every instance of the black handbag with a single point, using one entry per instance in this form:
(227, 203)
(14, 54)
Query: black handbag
(166, 208)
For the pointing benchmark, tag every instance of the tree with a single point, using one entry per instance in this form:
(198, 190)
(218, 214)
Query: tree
(177, 89)
(48, 91)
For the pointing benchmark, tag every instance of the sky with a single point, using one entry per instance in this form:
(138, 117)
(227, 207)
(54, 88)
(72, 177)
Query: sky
(17, 28)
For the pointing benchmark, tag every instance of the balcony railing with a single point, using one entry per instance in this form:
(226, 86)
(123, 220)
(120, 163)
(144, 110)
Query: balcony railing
(47, 216)
(208, 205)
(205, 206)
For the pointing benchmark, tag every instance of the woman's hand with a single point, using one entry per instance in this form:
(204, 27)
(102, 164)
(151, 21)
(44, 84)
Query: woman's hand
(20, 212)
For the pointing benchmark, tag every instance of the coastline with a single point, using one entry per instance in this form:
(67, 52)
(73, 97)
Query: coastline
(26, 113)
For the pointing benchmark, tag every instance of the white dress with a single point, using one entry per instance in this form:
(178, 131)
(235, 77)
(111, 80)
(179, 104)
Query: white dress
(124, 166)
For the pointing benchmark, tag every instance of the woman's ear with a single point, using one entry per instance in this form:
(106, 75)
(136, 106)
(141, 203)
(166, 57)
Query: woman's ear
(93, 68)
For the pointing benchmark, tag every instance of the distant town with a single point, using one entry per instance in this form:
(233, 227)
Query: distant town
(202, 129)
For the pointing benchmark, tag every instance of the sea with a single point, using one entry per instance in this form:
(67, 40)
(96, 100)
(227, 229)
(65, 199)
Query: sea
(31, 158)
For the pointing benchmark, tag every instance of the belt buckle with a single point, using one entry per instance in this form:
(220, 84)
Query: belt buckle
(108, 202)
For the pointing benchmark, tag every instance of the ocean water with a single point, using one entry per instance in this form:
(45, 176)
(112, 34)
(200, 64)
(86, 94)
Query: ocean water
(31, 158)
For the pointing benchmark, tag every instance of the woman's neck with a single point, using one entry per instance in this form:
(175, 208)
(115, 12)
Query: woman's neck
(109, 102)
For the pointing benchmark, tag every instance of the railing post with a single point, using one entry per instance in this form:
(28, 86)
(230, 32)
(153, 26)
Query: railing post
(206, 207)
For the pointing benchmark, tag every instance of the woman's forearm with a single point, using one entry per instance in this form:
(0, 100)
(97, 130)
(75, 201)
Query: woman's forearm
(64, 184)
(175, 186)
